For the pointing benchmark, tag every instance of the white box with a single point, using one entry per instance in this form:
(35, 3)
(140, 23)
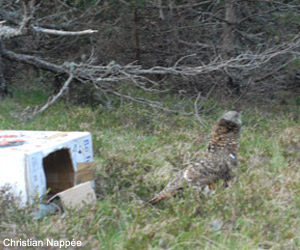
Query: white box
(32, 162)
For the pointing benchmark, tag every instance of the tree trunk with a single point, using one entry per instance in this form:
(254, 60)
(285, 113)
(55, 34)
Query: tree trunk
(229, 36)
(3, 89)
(229, 40)
(136, 33)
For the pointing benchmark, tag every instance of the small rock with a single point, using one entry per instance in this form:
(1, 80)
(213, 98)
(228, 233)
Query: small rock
(216, 224)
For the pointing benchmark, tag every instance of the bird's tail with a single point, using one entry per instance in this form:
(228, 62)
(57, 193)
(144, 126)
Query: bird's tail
(164, 194)
(169, 190)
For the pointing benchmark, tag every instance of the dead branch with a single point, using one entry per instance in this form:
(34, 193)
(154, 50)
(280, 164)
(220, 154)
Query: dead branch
(243, 61)
(117, 72)
(55, 98)
(63, 32)
(33, 60)
(196, 109)
(7, 32)
(250, 81)
(102, 77)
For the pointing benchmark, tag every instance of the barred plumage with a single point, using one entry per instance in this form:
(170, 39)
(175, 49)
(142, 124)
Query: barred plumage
(219, 163)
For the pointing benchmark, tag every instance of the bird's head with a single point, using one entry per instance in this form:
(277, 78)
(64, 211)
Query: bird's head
(231, 119)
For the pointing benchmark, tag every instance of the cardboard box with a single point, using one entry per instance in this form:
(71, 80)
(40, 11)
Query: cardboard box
(33, 162)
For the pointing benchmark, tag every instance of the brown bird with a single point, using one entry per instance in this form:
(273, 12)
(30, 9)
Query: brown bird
(219, 163)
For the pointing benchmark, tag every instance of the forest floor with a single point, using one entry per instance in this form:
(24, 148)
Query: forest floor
(138, 149)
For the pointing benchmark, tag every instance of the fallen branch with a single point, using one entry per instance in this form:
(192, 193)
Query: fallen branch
(117, 72)
(55, 98)
(196, 109)
(7, 32)
(103, 77)
(250, 81)
(63, 32)
(33, 61)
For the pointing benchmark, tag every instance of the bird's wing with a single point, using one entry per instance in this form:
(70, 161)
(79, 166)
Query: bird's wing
(200, 174)
(195, 174)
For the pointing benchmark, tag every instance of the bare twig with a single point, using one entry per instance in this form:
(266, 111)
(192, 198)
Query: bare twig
(274, 71)
(7, 32)
(245, 91)
(63, 32)
(56, 97)
(196, 109)
(143, 101)
(160, 10)
(182, 58)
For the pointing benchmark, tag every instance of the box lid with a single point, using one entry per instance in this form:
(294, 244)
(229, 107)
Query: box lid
(14, 141)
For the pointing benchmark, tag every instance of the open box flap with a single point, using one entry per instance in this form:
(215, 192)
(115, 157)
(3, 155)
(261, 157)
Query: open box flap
(77, 196)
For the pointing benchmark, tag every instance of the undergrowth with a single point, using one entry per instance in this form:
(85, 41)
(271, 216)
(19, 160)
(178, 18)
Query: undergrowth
(137, 150)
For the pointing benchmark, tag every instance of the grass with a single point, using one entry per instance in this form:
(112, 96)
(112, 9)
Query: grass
(137, 150)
